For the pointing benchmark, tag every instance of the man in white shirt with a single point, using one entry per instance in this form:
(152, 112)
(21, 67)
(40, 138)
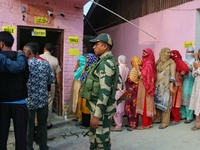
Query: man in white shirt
(53, 61)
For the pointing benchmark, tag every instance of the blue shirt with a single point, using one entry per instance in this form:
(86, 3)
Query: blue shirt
(7, 65)
(40, 75)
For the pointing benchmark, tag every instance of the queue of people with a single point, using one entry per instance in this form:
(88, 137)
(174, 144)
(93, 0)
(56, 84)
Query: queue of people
(167, 94)
(103, 89)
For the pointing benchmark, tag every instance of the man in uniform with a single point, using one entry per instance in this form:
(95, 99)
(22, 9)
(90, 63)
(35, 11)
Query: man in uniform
(53, 61)
(99, 89)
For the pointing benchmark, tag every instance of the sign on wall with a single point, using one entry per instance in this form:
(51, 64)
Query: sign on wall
(189, 43)
(39, 32)
(73, 52)
(73, 39)
(11, 29)
(40, 20)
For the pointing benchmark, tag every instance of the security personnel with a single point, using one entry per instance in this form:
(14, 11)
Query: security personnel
(99, 89)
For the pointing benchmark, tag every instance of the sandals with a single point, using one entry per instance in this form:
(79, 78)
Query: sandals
(143, 127)
(187, 121)
(78, 124)
(195, 128)
(162, 127)
(83, 127)
(173, 123)
(116, 129)
(130, 129)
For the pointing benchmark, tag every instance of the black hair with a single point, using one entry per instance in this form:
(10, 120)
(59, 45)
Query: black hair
(6, 38)
(32, 46)
(36, 44)
(49, 47)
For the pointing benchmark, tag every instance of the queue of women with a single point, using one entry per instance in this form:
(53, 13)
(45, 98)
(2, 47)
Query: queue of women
(168, 90)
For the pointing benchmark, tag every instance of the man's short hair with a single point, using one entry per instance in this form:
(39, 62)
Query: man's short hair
(6, 38)
(49, 47)
(33, 47)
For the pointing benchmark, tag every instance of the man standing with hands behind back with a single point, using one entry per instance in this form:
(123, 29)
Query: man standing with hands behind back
(99, 90)
(53, 61)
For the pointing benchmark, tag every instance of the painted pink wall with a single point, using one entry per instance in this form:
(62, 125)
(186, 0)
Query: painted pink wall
(72, 24)
(171, 28)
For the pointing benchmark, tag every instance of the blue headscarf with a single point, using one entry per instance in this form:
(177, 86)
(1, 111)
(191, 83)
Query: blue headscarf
(79, 70)
(91, 59)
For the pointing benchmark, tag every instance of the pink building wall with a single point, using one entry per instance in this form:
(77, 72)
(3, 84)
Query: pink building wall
(72, 23)
(171, 28)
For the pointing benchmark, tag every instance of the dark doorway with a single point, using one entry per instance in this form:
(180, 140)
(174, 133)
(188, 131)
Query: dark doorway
(54, 36)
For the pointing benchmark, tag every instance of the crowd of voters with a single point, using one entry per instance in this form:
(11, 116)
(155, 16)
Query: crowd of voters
(103, 91)
(168, 91)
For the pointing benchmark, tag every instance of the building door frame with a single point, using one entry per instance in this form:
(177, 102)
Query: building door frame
(54, 36)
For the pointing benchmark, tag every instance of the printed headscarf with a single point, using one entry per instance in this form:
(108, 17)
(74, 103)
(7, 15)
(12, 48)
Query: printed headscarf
(79, 70)
(148, 71)
(136, 63)
(180, 64)
(189, 57)
(164, 60)
(91, 59)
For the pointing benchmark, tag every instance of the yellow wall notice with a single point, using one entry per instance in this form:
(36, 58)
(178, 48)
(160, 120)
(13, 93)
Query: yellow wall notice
(40, 20)
(73, 52)
(39, 32)
(189, 43)
(11, 29)
(73, 39)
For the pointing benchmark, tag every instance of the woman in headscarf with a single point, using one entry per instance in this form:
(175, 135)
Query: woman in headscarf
(188, 81)
(145, 99)
(181, 69)
(195, 97)
(132, 83)
(123, 72)
(76, 84)
(165, 68)
(90, 59)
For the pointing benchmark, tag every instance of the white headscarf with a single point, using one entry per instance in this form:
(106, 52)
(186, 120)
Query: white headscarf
(122, 59)
(189, 57)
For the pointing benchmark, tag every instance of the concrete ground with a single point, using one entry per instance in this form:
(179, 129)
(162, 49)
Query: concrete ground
(66, 136)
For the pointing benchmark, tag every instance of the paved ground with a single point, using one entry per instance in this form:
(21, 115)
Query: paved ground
(66, 136)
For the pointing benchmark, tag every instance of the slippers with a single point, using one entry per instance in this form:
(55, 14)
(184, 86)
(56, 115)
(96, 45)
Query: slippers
(174, 123)
(116, 129)
(78, 124)
(162, 127)
(195, 128)
(83, 127)
(143, 127)
(187, 121)
(130, 129)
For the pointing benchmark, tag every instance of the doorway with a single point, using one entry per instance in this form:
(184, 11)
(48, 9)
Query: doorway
(54, 36)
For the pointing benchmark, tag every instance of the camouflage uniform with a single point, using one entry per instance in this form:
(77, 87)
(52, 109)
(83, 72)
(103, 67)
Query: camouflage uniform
(103, 105)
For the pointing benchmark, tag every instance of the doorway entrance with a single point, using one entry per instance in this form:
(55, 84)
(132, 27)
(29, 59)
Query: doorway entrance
(26, 34)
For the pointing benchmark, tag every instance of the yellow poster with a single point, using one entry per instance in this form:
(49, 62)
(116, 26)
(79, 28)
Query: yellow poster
(73, 52)
(11, 29)
(189, 43)
(40, 20)
(73, 39)
(39, 32)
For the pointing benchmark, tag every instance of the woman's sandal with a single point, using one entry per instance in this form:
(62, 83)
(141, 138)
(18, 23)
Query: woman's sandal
(187, 121)
(143, 127)
(130, 129)
(195, 128)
